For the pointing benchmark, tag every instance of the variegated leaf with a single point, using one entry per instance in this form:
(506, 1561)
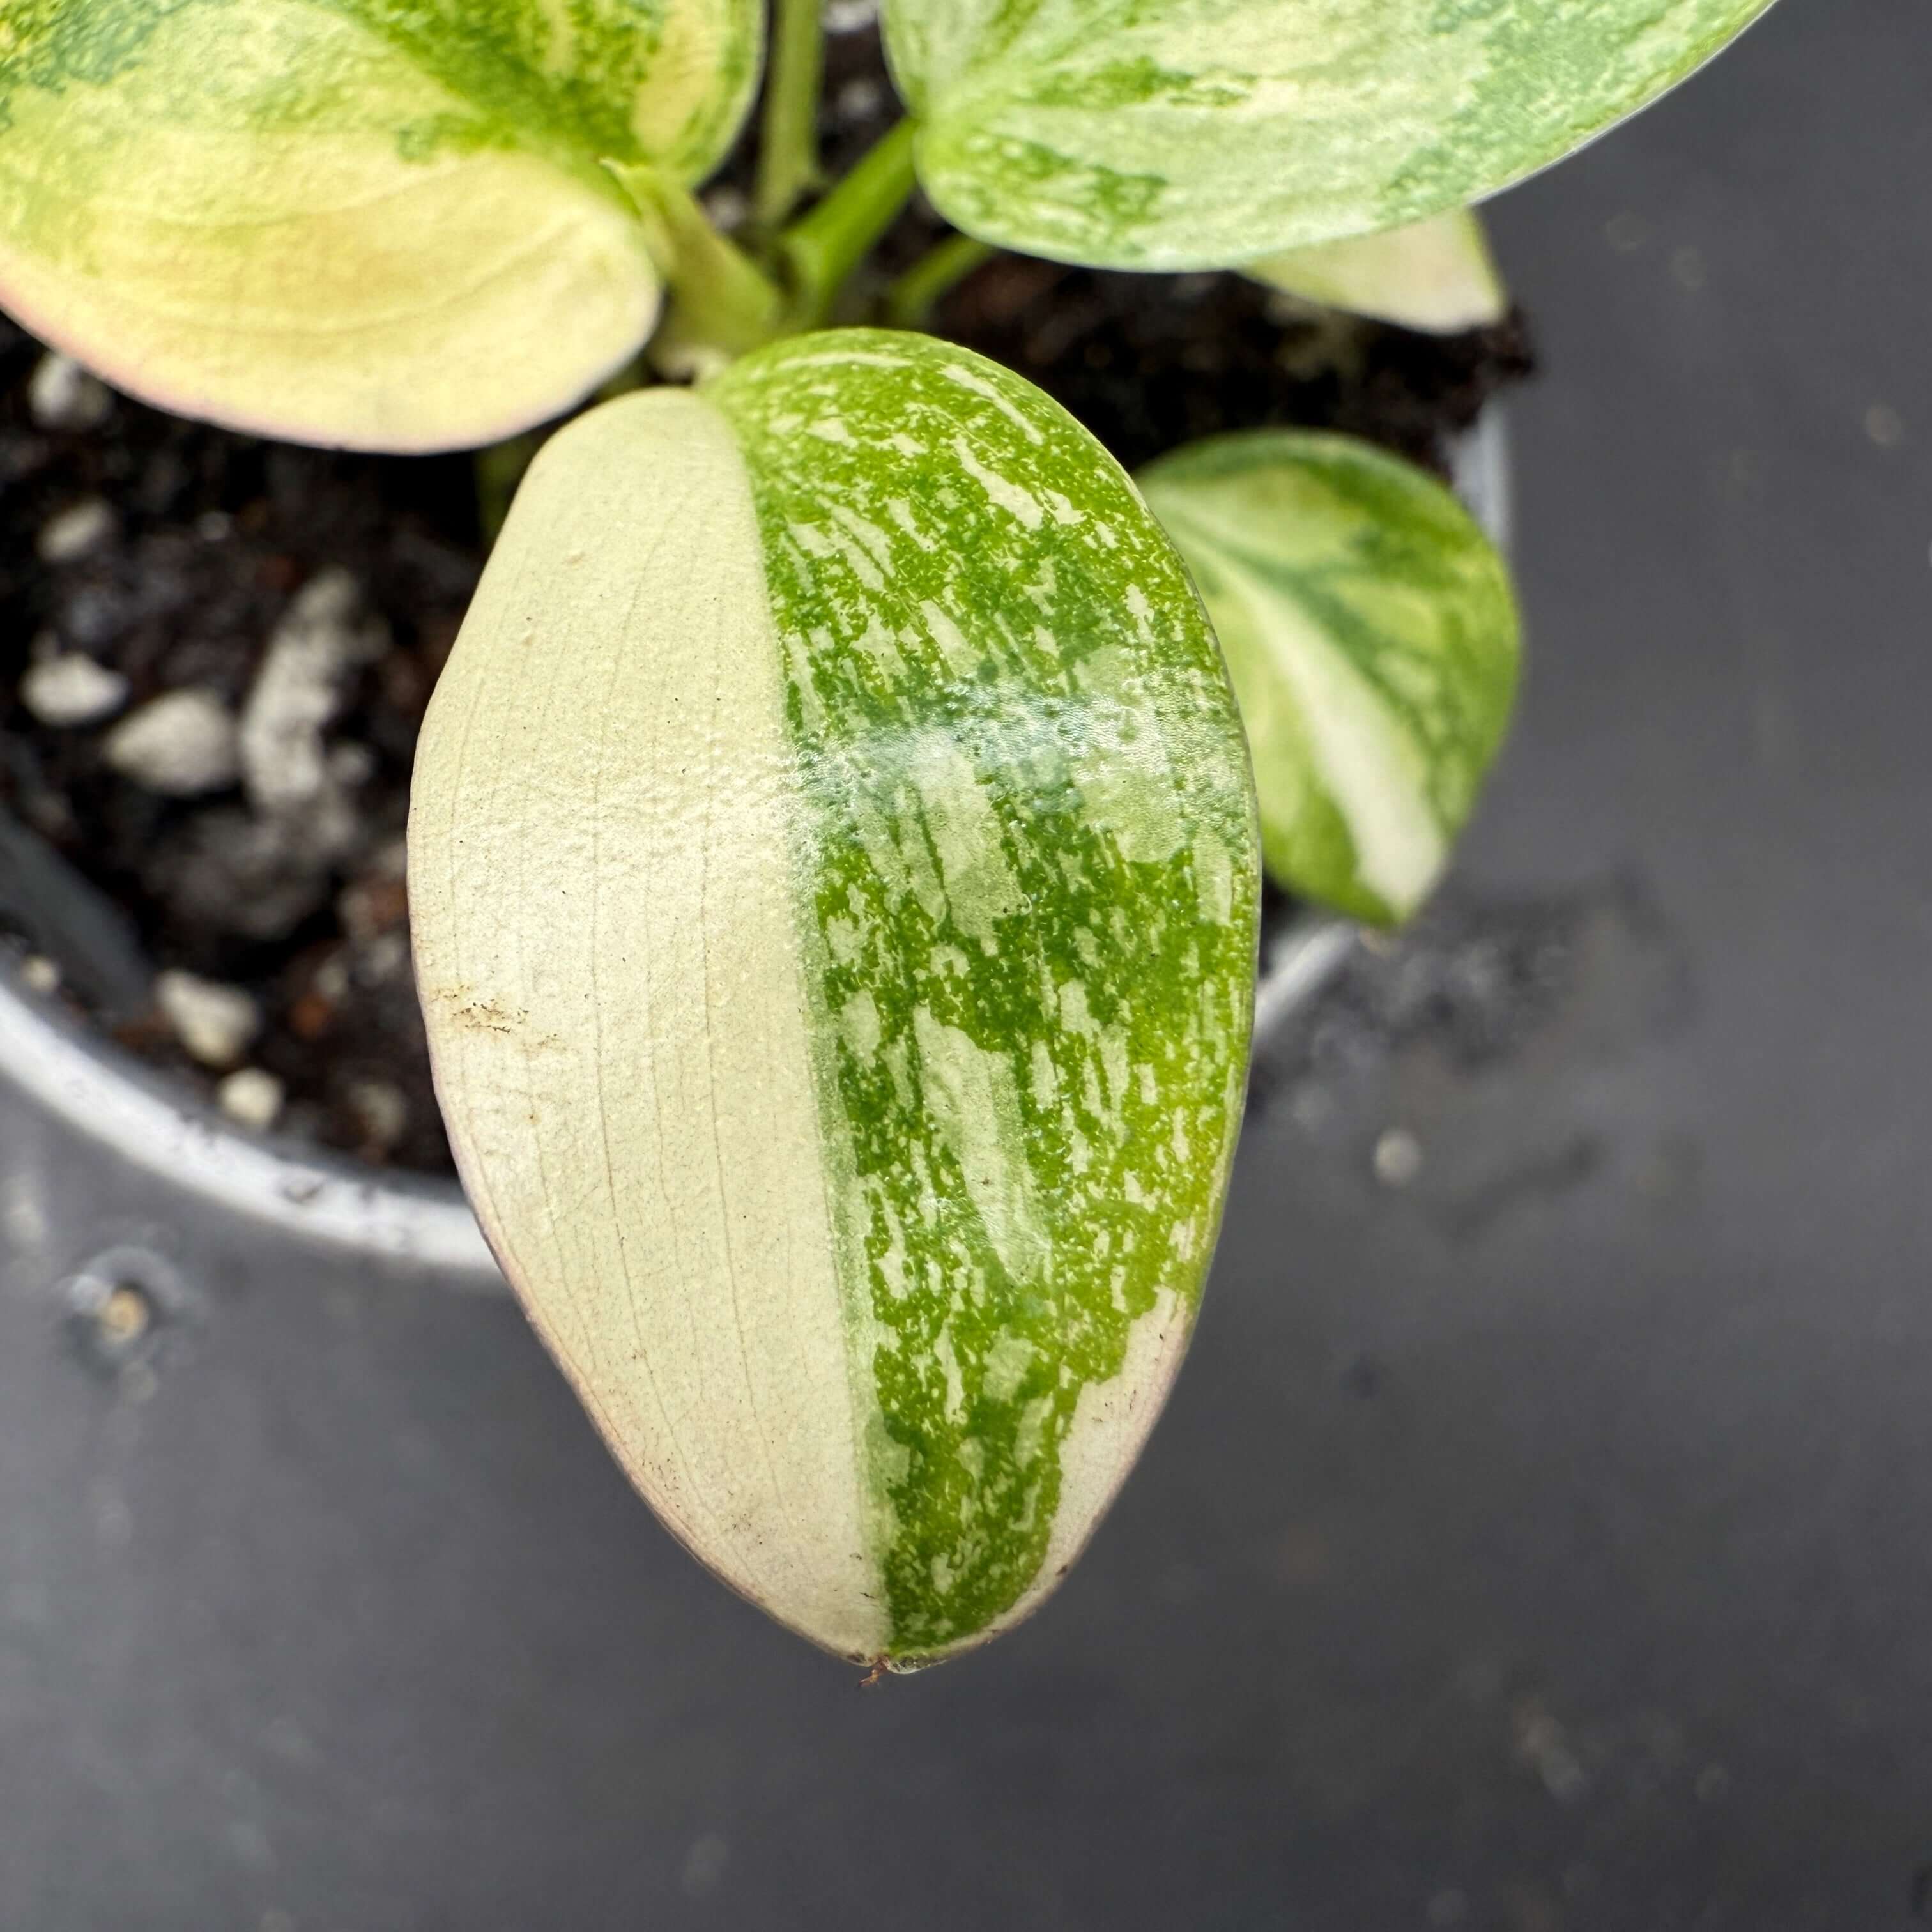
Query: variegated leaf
(1371, 632)
(1200, 133)
(381, 224)
(833, 878)
(1436, 275)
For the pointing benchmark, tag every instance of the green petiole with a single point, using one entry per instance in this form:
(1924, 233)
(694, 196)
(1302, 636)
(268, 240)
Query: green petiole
(911, 299)
(788, 150)
(820, 250)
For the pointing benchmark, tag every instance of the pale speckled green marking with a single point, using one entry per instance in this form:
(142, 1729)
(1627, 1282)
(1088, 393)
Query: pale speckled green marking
(577, 82)
(1029, 886)
(1371, 632)
(1198, 133)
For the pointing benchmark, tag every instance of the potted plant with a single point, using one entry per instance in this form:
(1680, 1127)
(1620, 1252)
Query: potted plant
(833, 857)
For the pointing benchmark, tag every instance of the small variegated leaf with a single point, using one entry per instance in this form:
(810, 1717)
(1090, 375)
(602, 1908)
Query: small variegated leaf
(833, 877)
(1436, 275)
(1166, 134)
(1371, 632)
(378, 223)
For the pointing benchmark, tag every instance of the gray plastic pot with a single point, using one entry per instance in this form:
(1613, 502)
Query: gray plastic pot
(230, 1184)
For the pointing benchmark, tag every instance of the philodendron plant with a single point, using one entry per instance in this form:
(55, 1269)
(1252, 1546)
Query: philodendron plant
(834, 852)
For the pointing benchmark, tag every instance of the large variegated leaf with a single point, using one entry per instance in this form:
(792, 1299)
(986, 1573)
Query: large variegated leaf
(833, 875)
(1199, 133)
(376, 223)
(1436, 275)
(1370, 630)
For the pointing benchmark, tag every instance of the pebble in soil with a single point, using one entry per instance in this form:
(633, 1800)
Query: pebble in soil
(215, 650)
(214, 653)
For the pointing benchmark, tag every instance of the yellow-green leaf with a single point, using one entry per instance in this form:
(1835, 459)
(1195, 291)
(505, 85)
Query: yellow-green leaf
(380, 223)
(1436, 275)
(833, 877)
(1200, 133)
(1371, 633)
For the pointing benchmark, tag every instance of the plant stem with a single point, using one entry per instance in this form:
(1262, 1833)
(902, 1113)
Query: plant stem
(910, 300)
(824, 247)
(788, 146)
(721, 303)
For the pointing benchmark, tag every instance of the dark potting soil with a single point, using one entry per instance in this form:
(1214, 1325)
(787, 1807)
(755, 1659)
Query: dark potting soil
(215, 652)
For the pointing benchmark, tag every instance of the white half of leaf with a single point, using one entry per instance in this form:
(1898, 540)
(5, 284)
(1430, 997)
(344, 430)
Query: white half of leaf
(1436, 275)
(324, 220)
(1167, 134)
(603, 915)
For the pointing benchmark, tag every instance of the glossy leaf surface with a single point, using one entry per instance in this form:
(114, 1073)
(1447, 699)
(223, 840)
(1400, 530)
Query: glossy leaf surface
(833, 879)
(380, 223)
(1437, 274)
(1198, 133)
(1371, 635)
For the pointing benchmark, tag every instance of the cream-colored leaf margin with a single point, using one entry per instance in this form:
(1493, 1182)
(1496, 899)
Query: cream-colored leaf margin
(376, 226)
(1437, 275)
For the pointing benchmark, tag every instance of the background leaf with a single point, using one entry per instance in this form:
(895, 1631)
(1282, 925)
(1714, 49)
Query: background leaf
(374, 223)
(1197, 133)
(833, 878)
(1372, 636)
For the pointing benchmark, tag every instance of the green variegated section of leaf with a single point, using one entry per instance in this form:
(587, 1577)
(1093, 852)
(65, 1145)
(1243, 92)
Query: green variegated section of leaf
(1371, 632)
(1198, 133)
(1437, 274)
(380, 223)
(833, 879)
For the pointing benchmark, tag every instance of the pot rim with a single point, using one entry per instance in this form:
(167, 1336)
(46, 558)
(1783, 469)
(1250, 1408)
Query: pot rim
(104, 1093)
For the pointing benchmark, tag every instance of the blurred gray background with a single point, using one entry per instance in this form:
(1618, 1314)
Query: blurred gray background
(1541, 1537)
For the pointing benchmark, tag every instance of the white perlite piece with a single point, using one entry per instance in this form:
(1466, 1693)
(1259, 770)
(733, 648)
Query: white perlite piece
(317, 648)
(858, 99)
(74, 532)
(251, 1097)
(39, 974)
(351, 764)
(72, 689)
(62, 395)
(383, 1111)
(215, 1023)
(179, 744)
(726, 208)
